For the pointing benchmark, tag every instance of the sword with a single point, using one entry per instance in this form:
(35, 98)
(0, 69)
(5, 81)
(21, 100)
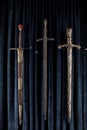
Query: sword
(20, 73)
(69, 47)
(45, 39)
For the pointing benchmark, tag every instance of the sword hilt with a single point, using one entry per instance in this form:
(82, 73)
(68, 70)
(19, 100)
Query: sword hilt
(45, 33)
(45, 26)
(20, 27)
(69, 40)
(45, 22)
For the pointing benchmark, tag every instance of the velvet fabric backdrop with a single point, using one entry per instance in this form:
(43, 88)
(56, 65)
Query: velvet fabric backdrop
(60, 14)
(83, 40)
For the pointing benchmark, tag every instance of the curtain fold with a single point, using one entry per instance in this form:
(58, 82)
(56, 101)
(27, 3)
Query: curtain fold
(60, 15)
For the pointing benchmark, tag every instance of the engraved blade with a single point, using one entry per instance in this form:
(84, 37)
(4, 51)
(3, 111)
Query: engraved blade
(20, 83)
(69, 88)
(45, 77)
(20, 76)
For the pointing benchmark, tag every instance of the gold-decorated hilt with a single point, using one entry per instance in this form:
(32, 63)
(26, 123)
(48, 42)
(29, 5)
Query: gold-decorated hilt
(69, 40)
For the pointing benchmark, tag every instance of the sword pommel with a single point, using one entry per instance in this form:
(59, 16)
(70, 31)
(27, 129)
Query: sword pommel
(69, 32)
(45, 22)
(20, 27)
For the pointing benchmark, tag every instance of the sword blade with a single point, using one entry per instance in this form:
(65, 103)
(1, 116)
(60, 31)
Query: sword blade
(69, 89)
(45, 76)
(20, 83)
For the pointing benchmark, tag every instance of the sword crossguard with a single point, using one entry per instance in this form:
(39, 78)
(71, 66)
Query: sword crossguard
(12, 49)
(50, 39)
(76, 46)
(66, 45)
(38, 40)
(85, 49)
(28, 48)
(15, 49)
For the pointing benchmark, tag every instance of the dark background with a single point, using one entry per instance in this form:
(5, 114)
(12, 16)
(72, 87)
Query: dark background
(83, 21)
(60, 14)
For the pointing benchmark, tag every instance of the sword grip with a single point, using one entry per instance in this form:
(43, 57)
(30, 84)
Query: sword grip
(69, 32)
(20, 27)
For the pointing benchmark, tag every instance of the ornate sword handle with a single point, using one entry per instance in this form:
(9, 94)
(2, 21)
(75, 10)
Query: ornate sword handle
(69, 32)
(69, 38)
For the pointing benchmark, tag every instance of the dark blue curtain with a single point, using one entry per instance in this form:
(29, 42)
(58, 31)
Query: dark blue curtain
(60, 14)
(83, 40)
